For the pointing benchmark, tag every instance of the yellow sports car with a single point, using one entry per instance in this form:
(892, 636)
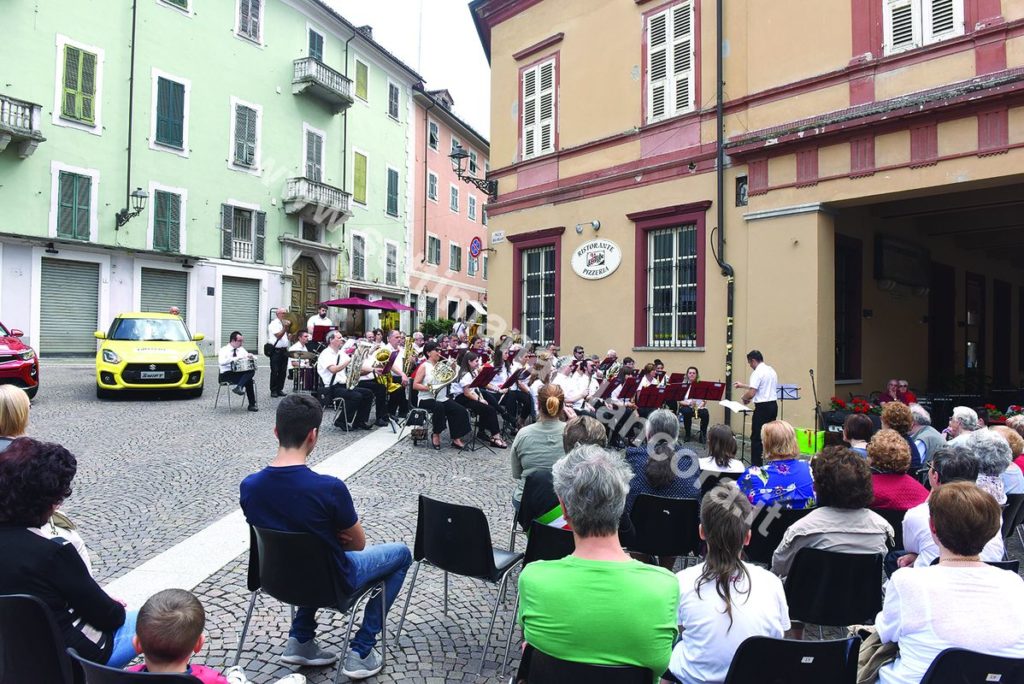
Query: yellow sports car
(151, 351)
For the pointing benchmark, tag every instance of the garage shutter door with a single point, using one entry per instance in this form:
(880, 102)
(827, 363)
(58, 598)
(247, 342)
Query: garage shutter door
(240, 310)
(69, 307)
(163, 289)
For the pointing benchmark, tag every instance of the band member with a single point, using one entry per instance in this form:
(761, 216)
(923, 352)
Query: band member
(277, 336)
(320, 320)
(242, 380)
(762, 391)
(302, 341)
(333, 367)
(417, 342)
(441, 406)
(368, 381)
(511, 400)
(576, 386)
(689, 406)
(398, 401)
(473, 400)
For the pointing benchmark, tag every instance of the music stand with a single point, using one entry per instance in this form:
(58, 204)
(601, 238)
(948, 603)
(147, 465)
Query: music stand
(737, 407)
(482, 380)
(673, 392)
(677, 379)
(628, 389)
(513, 378)
(320, 332)
(784, 393)
(707, 391)
(649, 398)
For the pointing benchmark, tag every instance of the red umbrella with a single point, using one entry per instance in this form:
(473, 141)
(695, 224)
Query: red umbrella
(388, 305)
(352, 303)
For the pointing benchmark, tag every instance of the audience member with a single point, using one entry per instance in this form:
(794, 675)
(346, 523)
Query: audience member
(538, 445)
(288, 496)
(721, 463)
(857, 430)
(892, 393)
(962, 423)
(994, 457)
(904, 388)
(952, 463)
(1014, 439)
(927, 439)
(724, 600)
(1016, 423)
(897, 416)
(583, 430)
(784, 479)
(842, 521)
(961, 602)
(35, 477)
(662, 467)
(889, 459)
(1012, 477)
(598, 605)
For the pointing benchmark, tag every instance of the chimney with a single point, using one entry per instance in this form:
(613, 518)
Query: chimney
(366, 31)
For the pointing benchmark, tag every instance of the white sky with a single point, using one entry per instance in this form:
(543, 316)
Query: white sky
(449, 55)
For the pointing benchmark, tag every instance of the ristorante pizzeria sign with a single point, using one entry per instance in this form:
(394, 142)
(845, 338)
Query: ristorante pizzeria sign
(596, 259)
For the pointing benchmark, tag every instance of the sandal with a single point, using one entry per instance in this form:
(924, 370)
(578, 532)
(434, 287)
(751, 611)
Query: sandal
(435, 441)
(498, 443)
(458, 444)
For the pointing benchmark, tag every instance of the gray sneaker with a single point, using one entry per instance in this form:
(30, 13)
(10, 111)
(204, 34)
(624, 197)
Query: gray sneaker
(307, 654)
(361, 668)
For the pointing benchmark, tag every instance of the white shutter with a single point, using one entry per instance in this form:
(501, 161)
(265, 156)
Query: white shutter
(670, 68)
(657, 66)
(902, 25)
(539, 110)
(529, 112)
(942, 19)
(682, 56)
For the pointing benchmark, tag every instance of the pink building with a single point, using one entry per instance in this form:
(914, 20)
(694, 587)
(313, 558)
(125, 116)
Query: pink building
(445, 280)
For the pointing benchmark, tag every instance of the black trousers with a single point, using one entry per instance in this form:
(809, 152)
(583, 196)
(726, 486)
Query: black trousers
(456, 415)
(487, 414)
(380, 396)
(398, 401)
(278, 369)
(764, 412)
(520, 402)
(243, 379)
(357, 402)
(687, 413)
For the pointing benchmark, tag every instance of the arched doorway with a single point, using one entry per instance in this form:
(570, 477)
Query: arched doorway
(305, 287)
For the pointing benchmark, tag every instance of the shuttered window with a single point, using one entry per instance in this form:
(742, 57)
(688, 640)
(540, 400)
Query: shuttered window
(471, 266)
(433, 250)
(433, 134)
(362, 80)
(432, 186)
(473, 166)
(453, 199)
(170, 113)
(249, 19)
(167, 221)
(483, 271)
(392, 207)
(909, 24)
(243, 234)
(69, 307)
(393, 96)
(670, 67)
(471, 208)
(359, 178)
(314, 156)
(74, 204)
(455, 258)
(538, 121)
(359, 257)
(316, 45)
(455, 144)
(79, 101)
(391, 268)
(245, 136)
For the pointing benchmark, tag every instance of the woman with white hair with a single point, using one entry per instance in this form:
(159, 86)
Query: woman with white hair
(962, 423)
(994, 456)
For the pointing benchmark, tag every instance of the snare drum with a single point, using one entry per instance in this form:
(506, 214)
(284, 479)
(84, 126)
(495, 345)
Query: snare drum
(243, 365)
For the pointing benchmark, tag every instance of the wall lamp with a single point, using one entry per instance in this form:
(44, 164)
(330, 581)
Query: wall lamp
(138, 199)
(50, 249)
(595, 224)
(459, 157)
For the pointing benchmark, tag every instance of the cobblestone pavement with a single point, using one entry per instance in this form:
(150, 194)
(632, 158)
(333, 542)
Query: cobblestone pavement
(153, 470)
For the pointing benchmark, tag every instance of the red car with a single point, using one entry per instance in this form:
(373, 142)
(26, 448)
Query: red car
(19, 364)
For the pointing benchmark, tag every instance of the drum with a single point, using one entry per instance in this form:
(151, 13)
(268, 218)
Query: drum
(304, 380)
(243, 365)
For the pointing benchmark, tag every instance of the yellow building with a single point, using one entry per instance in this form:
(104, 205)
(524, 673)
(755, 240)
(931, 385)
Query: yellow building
(871, 202)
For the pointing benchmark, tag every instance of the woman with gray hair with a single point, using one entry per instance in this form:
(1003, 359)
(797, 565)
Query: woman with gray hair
(962, 423)
(994, 456)
(661, 466)
(598, 605)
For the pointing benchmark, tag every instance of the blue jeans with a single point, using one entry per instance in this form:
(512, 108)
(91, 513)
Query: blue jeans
(124, 649)
(389, 562)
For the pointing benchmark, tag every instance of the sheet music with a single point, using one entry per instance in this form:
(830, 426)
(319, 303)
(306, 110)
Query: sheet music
(735, 406)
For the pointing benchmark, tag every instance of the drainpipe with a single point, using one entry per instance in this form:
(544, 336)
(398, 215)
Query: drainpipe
(131, 104)
(426, 173)
(344, 148)
(726, 268)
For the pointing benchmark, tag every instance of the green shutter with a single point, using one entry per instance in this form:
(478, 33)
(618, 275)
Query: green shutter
(359, 179)
(170, 113)
(362, 80)
(393, 192)
(174, 225)
(227, 224)
(72, 60)
(316, 46)
(73, 205)
(88, 91)
(167, 222)
(79, 85)
(259, 255)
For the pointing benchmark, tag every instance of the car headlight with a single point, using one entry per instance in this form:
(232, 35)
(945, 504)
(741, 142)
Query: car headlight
(28, 354)
(110, 357)
(191, 357)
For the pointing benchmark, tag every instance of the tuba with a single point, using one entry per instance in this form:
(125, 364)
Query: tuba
(381, 358)
(445, 372)
(359, 356)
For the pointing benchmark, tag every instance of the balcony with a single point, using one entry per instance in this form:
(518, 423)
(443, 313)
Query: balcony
(316, 201)
(322, 82)
(19, 123)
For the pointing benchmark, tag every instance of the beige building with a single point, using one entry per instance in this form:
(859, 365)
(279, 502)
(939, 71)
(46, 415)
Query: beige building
(870, 206)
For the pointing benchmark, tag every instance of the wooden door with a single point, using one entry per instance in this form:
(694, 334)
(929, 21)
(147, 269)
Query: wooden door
(305, 287)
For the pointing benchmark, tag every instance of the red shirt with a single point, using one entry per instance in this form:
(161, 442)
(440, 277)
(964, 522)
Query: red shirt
(897, 492)
(1019, 461)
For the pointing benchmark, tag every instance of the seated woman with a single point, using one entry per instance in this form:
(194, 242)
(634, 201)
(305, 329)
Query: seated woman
(473, 400)
(721, 462)
(784, 479)
(1016, 423)
(35, 477)
(687, 407)
(842, 521)
(889, 458)
(959, 603)
(994, 457)
(857, 431)
(662, 467)
(897, 416)
(1012, 477)
(538, 445)
(440, 405)
(724, 600)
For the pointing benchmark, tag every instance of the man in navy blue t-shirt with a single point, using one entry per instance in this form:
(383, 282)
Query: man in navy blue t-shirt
(288, 496)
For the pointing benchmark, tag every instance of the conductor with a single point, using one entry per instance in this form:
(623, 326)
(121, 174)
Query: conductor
(762, 391)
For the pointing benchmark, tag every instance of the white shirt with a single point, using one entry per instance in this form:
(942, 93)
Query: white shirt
(315, 321)
(428, 380)
(462, 383)
(227, 354)
(275, 327)
(928, 610)
(708, 643)
(766, 382)
(735, 466)
(329, 357)
(917, 538)
(302, 363)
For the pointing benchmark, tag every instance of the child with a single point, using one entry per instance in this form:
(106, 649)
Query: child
(170, 629)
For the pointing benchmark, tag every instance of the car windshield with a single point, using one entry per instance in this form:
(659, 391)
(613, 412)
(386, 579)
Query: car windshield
(149, 330)
(3, 330)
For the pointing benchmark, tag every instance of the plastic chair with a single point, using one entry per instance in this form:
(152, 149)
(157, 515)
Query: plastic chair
(960, 666)
(101, 674)
(31, 645)
(764, 541)
(538, 667)
(835, 589)
(457, 539)
(794, 662)
(1013, 515)
(665, 526)
(544, 543)
(894, 518)
(517, 528)
(298, 569)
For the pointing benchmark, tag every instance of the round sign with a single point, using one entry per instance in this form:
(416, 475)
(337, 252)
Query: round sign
(475, 247)
(596, 259)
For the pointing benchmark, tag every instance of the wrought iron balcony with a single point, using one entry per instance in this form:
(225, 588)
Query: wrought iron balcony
(20, 123)
(322, 82)
(316, 201)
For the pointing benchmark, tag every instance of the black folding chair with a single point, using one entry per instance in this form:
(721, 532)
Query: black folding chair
(794, 662)
(31, 645)
(664, 526)
(101, 674)
(766, 532)
(894, 518)
(1013, 515)
(297, 568)
(960, 666)
(834, 589)
(538, 667)
(544, 543)
(457, 539)
(520, 527)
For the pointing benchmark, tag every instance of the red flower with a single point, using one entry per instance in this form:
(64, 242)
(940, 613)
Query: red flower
(990, 407)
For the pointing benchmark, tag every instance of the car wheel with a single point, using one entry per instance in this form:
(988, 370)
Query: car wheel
(102, 393)
(31, 391)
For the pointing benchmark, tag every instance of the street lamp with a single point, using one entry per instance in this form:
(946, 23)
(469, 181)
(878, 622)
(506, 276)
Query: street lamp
(459, 157)
(138, 199)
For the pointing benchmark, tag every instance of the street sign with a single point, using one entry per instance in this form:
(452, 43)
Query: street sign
(497, 237)
(475, 247)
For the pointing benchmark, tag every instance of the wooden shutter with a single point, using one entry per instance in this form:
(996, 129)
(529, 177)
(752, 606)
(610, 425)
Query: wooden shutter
(87, 94)
(392, 192)
(362, 77)
(254, 19)
(316, 46)
(160, 216)
(260, 239)
(245, 136)
(670, 69)
(174, 224)
(243, 17)
(942, 19)
(392, 265)
(539, 110)
(901, 25)
(170, 112)
(314, 156)
(358, 257)
(359, 179)
(72, 60)
(81, 197)
(66, 204)
(227, 225)
(240, 125)
(393, 100)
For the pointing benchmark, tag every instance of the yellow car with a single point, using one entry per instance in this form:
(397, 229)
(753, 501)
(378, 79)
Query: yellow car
(148, 351)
